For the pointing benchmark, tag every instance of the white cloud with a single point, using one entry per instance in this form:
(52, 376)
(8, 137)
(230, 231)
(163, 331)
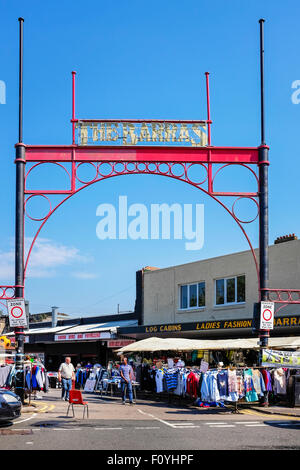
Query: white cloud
(46, 257)
(7, 267)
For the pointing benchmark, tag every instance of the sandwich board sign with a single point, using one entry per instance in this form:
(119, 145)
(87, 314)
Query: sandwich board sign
(17, 313)
(266, 315)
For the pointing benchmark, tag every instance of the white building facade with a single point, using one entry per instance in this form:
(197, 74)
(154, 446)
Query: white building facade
(225, 287)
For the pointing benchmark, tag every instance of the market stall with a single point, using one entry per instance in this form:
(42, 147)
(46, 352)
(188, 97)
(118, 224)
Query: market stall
(154, 344)
(35, 376)
(214, 372)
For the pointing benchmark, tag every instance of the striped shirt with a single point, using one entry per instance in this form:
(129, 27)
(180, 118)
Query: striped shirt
(171, 377)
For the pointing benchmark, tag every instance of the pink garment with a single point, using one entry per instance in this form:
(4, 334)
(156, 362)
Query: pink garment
(232, 382)
(240, 385)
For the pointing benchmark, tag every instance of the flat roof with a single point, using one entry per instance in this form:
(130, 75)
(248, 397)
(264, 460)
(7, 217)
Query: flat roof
(100, 326)
(89, 328)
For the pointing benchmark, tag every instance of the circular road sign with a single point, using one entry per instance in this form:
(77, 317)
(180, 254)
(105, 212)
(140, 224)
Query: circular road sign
(267, 314)
(17, 312)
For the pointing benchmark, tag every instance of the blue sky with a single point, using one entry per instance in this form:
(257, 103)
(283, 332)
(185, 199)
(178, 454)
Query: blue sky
(143, 60)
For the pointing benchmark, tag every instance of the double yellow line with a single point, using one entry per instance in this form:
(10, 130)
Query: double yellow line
(271, 416)
(44, 407)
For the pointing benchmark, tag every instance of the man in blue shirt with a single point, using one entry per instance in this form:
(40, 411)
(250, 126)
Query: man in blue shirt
(126, 373)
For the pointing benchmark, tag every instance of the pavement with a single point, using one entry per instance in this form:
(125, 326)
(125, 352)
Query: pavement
(52, 400)
(152, 423)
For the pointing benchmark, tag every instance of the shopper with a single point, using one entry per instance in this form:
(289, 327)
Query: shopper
(126, 373)
(66, 373)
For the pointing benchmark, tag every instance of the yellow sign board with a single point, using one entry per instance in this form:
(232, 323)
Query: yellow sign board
(142, 133)
(271, 358)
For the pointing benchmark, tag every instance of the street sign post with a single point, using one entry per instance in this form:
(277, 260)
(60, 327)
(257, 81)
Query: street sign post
(18, 321)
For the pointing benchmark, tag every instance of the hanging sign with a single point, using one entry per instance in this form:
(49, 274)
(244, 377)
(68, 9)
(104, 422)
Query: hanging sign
(179, 133)
(119, 343)
(271, 358)
(83, 336)
(13, 340)
(17, 313)
(204, 366)
(266, 315)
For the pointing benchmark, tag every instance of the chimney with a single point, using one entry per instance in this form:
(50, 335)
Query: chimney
(285, 238)
(54, 316)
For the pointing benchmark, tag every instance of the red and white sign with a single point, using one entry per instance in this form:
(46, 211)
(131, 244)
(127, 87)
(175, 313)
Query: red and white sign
(13, 339)
(119, 343)
(17, 313)
(266, 315)
(83, 336)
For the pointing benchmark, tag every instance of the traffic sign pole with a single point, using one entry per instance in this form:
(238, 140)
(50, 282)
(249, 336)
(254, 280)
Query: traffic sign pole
(19, 238)
(263, 198)
(18, 320)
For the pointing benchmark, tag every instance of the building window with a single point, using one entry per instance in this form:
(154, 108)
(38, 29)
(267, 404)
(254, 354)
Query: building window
(183, 296)
(231, 290)
(192, 296)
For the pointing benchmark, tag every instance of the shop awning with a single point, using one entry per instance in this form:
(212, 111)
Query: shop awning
(97, 327)
(181, 344)
(40, 331)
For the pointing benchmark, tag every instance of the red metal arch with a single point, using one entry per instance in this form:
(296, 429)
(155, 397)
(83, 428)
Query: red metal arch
(207, 156)
(146, 170)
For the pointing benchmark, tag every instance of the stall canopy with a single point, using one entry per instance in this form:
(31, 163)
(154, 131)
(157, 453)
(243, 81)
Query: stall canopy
(181, 344)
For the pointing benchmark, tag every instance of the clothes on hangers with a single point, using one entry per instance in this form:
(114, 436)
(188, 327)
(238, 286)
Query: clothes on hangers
(213, 387)
(267, 380)
(222, 382)
(10, 378)
(159, 381)
(233, 393)
(180, 390)
(258, 382)
(81, 376)
(171, 378)
(250, 393)
(192, 382)
(36, 378)
(204, 390)
(4, 373)
(279, 381)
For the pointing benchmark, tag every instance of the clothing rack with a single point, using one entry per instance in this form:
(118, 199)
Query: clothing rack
(196, 369)
(32, 364)
(233, 366)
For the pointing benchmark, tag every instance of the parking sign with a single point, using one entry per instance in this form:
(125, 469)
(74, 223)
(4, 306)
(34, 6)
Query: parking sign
(266, 315)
